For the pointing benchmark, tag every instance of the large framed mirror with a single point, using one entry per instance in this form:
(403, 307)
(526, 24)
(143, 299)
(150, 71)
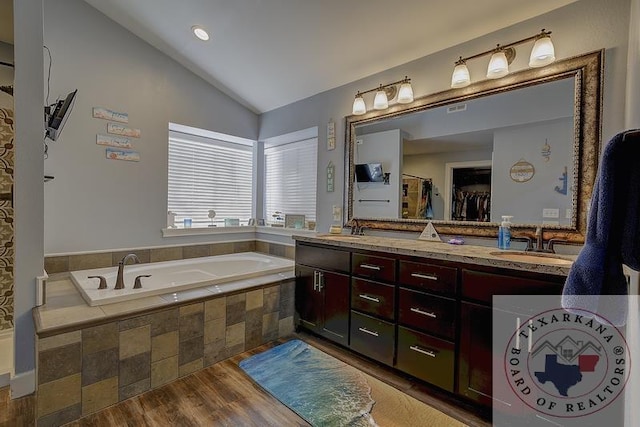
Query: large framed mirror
(526, 145)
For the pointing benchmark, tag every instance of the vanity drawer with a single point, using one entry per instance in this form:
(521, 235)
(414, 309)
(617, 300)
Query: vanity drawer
(373, 298)
(481, 286)
(429, 277)
(373, 267)
(324, 258)
(428, 313)
(425, 357)
(372, 337)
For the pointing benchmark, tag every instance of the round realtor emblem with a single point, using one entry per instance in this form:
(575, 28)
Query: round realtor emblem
(567, 365)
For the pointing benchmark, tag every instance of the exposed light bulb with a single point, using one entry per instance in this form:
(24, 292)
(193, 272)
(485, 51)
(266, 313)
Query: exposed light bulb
(498, 65)
(358, 106)
(543, 52)
(380, 102)
(405, 93)
(460, 76)
(200, 33)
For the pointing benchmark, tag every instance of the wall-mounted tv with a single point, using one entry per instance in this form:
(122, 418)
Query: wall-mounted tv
(56, 115)
(369, 172)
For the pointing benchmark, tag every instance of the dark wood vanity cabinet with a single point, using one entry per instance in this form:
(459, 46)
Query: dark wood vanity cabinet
(428, 318)
(322, 295)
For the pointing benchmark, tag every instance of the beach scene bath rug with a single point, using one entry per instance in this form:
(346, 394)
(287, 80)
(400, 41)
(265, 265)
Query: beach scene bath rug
(328, 392)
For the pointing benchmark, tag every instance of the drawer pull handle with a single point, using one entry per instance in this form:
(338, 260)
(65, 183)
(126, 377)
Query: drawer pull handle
(424, 313)
(425, 276)
(419, 350)
(368, 298)
(370, 267)
(366, 331)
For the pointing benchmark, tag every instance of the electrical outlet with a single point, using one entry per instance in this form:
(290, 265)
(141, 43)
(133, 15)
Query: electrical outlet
(550, 213)
(359, 141)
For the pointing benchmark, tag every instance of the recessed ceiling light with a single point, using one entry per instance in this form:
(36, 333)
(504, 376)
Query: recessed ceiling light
(200, 33)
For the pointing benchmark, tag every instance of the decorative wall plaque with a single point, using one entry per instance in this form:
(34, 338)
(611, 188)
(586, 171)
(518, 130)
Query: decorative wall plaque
(522, 171)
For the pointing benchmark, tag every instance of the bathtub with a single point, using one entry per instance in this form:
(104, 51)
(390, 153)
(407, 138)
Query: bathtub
(172, 276)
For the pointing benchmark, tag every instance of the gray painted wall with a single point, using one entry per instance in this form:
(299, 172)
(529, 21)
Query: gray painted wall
(29, 167)
(95, 203)
(578, 28)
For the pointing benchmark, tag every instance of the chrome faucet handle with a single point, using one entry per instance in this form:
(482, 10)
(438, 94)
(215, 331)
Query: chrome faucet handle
(552, 242)
(137, 284)
(103, 281)
(361, 231)
(121, 264)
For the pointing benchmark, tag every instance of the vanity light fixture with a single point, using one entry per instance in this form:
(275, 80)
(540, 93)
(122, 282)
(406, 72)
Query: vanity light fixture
(200, 33)
(384, 93)
(543, 53)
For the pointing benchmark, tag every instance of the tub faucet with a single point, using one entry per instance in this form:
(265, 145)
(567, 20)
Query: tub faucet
(121, 264)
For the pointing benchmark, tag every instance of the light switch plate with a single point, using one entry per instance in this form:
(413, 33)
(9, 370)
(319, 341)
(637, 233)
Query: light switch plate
(550, 213)
(337, 213)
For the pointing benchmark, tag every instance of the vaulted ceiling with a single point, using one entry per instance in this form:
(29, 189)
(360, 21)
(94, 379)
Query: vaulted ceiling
(270, 53)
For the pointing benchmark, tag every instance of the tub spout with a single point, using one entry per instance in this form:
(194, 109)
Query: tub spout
(121, 264)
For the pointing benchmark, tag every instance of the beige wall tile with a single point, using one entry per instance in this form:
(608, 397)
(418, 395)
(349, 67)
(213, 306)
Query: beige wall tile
(262, 247)
(276, 249)
(220, 248)
(166, 254)
(99, 395)
(195, 251)
(214, 330)
(59, 340)
(244, 246)
(290, 252)
(59, 394)
(191, 367)
(134, 389)
(254, 299)
(56, 264)
(135, 341)
(86, 261)
(215, 309)
(164, 371)
(144, 255)
(235, 334)
(100, 338)
(285, 326)
(191, 309)
(59, 362)
(164, 346)
(270, 326)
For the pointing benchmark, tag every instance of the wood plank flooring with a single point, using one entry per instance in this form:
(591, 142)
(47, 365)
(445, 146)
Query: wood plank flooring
(222, 395)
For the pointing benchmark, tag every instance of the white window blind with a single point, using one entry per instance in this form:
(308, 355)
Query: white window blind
(290, 179)
(209, 174)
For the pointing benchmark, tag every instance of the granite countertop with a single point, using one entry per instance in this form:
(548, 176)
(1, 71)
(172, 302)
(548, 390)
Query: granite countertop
(469, 254)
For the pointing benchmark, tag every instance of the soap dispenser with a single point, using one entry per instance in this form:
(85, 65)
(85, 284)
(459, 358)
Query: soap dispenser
(504, 232)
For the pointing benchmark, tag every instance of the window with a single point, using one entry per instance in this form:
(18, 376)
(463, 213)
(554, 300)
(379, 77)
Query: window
(290, 179)
(209, 173)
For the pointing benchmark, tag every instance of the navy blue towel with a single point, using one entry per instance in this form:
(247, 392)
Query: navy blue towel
(613, 237)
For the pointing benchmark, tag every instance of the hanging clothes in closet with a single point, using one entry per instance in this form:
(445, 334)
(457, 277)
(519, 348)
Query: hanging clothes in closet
(471, 206)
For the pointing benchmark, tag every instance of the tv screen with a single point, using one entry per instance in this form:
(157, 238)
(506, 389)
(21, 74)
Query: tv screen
(59, 116)
(369, 172)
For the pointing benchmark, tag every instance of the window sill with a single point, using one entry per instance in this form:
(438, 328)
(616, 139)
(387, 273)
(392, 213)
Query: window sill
(201, 231)
(281, 231)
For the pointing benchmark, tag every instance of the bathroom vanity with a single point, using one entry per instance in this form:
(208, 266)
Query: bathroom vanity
(423, 308)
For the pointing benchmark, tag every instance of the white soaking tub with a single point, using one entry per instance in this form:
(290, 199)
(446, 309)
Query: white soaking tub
(172, 276)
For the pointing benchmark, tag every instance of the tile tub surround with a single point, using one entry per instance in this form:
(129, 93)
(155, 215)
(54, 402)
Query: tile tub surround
(469, 254)
(84, 370)
(65, 263)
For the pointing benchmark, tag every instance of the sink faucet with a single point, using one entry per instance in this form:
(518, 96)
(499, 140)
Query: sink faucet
(356, 229)
(121, 264)
(539, 246)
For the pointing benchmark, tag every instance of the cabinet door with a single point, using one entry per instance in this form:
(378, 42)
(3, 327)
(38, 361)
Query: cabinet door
(335, 291)
(476, 358)
(309, 301)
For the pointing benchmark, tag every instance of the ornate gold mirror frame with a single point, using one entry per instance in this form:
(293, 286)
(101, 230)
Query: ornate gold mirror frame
(588, 72)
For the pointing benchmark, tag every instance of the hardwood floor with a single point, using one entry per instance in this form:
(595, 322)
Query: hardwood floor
(222, 395)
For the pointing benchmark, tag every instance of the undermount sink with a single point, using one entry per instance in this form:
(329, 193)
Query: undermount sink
(341, 236)
(534, 257)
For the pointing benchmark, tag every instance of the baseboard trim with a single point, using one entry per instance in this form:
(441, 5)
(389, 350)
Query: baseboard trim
(7, 333)
(23, 384)
(5, 379)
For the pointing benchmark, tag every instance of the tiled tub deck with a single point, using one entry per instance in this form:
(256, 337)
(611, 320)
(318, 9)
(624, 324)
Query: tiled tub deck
(89, 358)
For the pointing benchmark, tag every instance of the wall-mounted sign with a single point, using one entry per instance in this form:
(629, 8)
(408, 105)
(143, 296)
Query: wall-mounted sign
(546, 151)
(522, 171)
(330, 177)
(106, 114)
(331, 135)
